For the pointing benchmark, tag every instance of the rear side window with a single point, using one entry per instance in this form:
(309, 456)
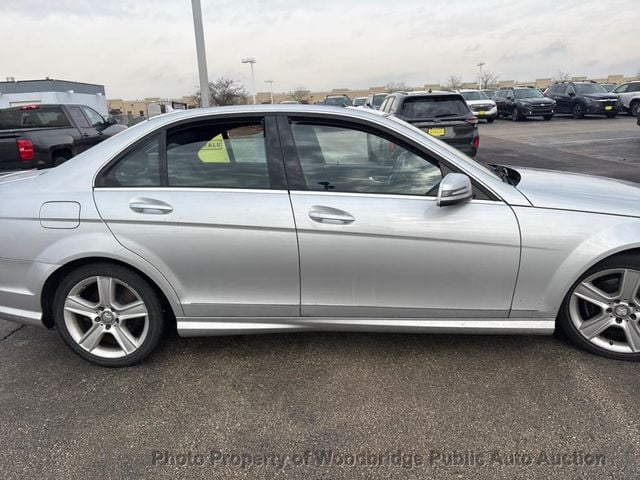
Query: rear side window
(218, 155)
(138, 168)
(433, 107)
(49, 117)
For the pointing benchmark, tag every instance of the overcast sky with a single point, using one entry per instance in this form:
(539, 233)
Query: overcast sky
(146, 48)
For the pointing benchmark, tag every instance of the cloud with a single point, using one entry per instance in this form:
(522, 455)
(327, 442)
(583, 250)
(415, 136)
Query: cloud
(145, 48)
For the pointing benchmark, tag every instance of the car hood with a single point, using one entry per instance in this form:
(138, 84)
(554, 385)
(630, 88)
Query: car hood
(481, 102)
(573, 191)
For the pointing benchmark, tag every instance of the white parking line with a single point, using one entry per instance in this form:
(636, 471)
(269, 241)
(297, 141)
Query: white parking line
(588, 140)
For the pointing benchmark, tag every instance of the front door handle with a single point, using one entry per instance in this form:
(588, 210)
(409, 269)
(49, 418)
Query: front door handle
(150, 205)
(329, 215)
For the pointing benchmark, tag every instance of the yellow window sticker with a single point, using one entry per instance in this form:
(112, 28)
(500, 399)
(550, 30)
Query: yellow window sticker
(214, 151)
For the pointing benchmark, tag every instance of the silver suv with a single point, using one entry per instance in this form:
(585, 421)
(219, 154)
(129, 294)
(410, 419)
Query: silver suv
(629, 94)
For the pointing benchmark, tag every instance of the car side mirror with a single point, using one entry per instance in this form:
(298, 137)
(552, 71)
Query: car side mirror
(572, 94)
(510, 98)
(111, 121)
(454, 188)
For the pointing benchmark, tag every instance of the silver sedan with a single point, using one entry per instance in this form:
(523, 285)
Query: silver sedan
(295, 218)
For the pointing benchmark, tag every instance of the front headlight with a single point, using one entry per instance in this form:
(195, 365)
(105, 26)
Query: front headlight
(590, 100)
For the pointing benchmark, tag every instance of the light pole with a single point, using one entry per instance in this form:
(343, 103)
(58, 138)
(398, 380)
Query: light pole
(480, 77)
(270, 82)
(251, 61)
(200, 52)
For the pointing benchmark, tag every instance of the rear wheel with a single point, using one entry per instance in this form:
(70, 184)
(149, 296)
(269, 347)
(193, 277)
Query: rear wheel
(578, 110)
(108, 315)
(601, 313)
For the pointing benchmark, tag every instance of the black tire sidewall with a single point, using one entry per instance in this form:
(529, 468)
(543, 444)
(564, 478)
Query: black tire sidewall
(139, 284)
(564, 319)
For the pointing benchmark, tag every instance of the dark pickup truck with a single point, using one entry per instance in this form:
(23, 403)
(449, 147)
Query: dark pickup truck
(40, 136)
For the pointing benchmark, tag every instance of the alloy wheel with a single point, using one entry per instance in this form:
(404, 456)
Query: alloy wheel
(106, 317)
(605, 309)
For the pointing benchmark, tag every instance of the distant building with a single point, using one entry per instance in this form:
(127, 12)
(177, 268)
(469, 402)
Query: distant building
(25, 92)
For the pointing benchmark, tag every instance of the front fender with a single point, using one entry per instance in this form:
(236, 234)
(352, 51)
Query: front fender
(558, 246)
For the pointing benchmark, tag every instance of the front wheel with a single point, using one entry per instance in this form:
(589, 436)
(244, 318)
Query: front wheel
(634, 108)
(601, 313)
(612, 115)
(547, 117)
(515, 114)
(108, 315)
(490, 120)
(578, 111)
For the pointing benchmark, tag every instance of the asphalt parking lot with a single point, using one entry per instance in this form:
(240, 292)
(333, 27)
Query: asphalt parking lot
(424, 406)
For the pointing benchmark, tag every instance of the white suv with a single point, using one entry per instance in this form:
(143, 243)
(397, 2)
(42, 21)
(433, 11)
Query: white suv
(481, 105)
(629, 94)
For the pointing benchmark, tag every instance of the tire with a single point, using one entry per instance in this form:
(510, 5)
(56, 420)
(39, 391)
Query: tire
(515, 114)
(577, 111)
(547, 117)
(83, 314)
(633, 108)
(490, 120)
(612, 115)
(616, 320)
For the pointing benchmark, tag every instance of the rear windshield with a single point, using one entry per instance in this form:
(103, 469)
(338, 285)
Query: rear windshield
(41, 117)
(583, 88)
(358, 101)
(474, 95)
(528, 93)
(434, 107)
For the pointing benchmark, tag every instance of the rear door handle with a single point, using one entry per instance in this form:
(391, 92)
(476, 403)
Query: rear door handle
(330, 215)
(150, 205)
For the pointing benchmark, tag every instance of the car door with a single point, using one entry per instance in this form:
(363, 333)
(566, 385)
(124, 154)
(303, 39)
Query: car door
(206, 203)
(373, 242)
(89, 134)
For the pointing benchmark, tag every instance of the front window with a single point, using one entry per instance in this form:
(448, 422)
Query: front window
(528, 93)
(378, 99)
(95, 119)
(344, 159)
(426, 108)
(587, 88)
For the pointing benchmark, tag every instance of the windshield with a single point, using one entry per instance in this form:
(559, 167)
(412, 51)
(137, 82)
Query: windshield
(583, 88)
(476, 95)
(528, 93)
(337, 101)
(434, 107)
(358, 101)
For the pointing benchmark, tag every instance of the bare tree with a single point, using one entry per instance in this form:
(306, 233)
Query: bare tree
(396, 87)
(561, 76)
(453, 82)
(225, 91)
(300, 94)
(488, 80)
